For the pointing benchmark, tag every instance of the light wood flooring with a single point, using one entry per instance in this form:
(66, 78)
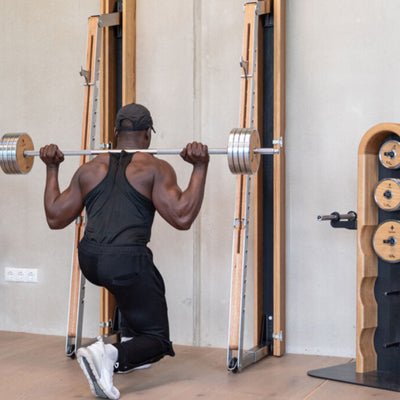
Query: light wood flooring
(35, 367)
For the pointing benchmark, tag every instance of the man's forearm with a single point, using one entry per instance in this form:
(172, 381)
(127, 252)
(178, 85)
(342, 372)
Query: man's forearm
(52, 189)
(192, 197)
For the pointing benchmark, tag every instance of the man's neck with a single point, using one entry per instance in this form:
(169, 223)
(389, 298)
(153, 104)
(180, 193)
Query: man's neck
(128, 144)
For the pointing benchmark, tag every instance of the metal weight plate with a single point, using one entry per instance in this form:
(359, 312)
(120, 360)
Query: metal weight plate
(2, 160)
(386, 241)
(242, 149)
(5, 164)
(11, 154)
(247, 150)
(232, 151)
(389, 154)
(12, 159)
(249, 159)
(387, 194)
(241, 157)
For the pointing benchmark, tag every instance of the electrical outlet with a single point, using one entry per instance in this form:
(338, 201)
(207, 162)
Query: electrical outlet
(28, 275)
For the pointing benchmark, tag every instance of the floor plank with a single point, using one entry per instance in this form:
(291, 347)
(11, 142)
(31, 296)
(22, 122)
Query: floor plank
(35, 367)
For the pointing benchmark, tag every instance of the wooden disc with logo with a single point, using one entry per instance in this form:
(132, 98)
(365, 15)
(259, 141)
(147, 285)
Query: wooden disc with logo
(386, 241)
(389, 154)
(387, 194)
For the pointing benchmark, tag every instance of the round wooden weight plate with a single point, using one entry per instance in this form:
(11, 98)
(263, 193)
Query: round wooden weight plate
(254, 159)
(387, 194)
(389, 154)
(24, 164)
(386, 241)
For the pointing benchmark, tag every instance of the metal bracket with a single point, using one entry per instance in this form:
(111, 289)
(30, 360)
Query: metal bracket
(106, 146)
(106, 324)
(278, 336)
(106, 20)
(239, 221)
(278, 142)
(262, 6)
(245, 66)
(79, 220)
(85, 74)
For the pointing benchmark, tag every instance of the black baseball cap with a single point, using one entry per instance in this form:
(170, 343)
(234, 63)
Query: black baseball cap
(138, 115)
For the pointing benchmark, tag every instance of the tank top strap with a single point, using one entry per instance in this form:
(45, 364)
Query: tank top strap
(119, 162)
(123, 160)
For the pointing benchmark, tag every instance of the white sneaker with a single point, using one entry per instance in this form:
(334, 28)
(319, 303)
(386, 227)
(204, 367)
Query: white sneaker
(97, 362)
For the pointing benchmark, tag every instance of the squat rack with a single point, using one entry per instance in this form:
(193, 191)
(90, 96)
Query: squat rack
(262, 107)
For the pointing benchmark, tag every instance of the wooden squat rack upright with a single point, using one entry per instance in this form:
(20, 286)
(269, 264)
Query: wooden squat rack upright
(251, 115)
(101, 68)
(77, 286)
(108, 104)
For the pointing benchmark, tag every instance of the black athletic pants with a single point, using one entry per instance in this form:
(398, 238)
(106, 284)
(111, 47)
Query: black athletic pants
(129, 274)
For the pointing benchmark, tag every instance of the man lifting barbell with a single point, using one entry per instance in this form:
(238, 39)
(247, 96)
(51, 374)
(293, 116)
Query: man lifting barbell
(121, 192)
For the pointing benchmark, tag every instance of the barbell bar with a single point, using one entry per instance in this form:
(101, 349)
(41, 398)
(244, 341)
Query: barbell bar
(243, 152)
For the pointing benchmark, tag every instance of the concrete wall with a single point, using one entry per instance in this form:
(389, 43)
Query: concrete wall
(342, 78)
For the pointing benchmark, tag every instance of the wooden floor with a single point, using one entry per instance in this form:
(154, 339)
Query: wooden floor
(35, 367)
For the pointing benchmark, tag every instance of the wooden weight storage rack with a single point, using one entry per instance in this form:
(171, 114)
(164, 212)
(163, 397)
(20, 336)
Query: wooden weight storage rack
(378, 281)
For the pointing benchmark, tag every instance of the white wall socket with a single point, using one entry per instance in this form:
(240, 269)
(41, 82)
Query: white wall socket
(21, 274)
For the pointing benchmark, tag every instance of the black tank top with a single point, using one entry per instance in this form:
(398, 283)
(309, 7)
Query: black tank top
(116, 212)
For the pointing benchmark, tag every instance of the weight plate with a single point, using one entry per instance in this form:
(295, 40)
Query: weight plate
(241, 157)
(230, 150)
(8, 167)
(11, 153)
(246, 151)
(24, 164)
(386, 241)
(254, 159)
(12, 159)
(241, 152)
(2, 157)
(387, 194)
(233, 151)
(389, 154)
(236, 146)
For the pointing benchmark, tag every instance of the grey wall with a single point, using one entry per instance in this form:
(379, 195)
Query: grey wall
(342, 61)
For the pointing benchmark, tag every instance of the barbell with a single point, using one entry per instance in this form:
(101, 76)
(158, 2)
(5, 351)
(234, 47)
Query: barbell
(243, 152)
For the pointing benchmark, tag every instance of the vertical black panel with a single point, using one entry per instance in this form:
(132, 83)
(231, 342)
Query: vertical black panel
(268, 217)
(387, 295)
(118, 56)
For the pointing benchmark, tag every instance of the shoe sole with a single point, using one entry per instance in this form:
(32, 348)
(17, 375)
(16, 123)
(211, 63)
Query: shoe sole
(145, 366)
(87, 368)
(91, 377)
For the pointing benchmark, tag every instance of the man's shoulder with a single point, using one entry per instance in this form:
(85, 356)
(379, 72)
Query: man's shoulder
(96, 164)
